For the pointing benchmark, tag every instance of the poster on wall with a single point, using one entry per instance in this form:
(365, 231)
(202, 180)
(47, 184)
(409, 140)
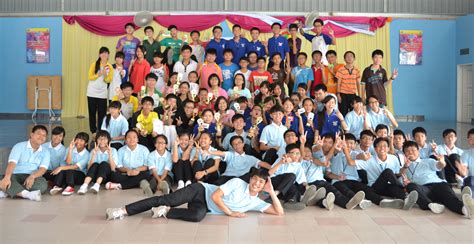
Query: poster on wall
(37, 45)
(411, 47)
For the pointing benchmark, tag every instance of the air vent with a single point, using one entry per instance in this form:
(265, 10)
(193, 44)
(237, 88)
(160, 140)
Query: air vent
(464, 51)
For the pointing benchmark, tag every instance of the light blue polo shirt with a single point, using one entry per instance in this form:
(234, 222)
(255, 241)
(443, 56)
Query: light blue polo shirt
(78, 158)
(160, 162)
(132, 159)
(443, 150)
(355, 123)
(191, 154)
(228, 75)
(302, 75)
(295, 168)
(236, 197)
(226, 142)
(467, 158)
(27, 161)
(425, 151)
(239, 164)
(374, 166)
(423, 171)
(340, 166)
(56, 154)
(378, 118)
(104, 156)
(272, 135)
(117, 127)
(312, 171)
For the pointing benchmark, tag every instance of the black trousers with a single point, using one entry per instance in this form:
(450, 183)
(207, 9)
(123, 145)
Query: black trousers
(182, 170)
(198, 166)
(194, 195)
(101, 170)
(388, 185)
(69, 178)
(48, 176)
(116, 145)
(340, 199)
(450, 170)
(147, 141)
(350, 187)
(154, 183)
(129, 182)
(436, 193)
(469, 181)
(97, 107)
(345, 103)
(283, 183)
(270, 156)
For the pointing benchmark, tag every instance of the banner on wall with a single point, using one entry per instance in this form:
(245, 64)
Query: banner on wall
(37, 45)
(411, 47)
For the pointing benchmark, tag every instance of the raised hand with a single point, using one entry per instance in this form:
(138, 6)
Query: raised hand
(394, 74)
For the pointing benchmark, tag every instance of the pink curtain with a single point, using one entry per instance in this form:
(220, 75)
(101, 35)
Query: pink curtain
(248, 22)
(101, 25)
(188, 23)
(373, 22)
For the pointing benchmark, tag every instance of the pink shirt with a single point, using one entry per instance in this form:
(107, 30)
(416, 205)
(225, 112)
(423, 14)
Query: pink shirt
(206, 71)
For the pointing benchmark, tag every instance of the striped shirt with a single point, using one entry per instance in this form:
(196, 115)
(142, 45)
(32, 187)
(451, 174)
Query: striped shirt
(348, 79)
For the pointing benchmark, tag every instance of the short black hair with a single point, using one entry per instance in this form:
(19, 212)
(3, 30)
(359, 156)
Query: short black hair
(252, 52)
(276, 108)
(151, 76)
(126, 85)
(261, 58)
(398, 132)
(211, 51)
(381, 127)
(172, 27)
(147, 99)
(357, 99)
(236, 137)
(316, 52)
(195, 31)
(103, 133)
(408, 144)
(148, 28)
(131, 131)
(371, 96)
(329, 52)
(186, 47)
(303, 54)
(276, 23)
(120, 54)
(255, 29)
(318, 21)
(58, 130)
(303, 85)
(418, 130)
(448, 131)
(83, 136)
(115, 104)
(228, 50)
(129, 24)
(161, 136)
(470, 132)
(377, 52)
(367, 133)
(244, 59)
(293, 26)
(217, 27)
(289, 131)
(171, 95)
(350, 137)
(329, 135)
(39, 127)
(321, 87)
(241, 99)
(236, 26)
(291, 146)
(381, 139)
(238, 116)
(260, 173)
(349, 52)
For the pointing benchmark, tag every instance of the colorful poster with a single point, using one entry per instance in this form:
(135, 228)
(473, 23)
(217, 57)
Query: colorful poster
(37, 45)
(411, 47)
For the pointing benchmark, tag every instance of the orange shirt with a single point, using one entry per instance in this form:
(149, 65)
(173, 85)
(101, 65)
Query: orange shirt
(348, 79)
(207, 70)
(331, 80)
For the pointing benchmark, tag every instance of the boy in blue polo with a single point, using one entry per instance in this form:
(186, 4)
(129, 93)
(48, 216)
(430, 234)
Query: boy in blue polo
(238, 44)
(278, 44)
(218, 44)
(272, 139)
(27, 163)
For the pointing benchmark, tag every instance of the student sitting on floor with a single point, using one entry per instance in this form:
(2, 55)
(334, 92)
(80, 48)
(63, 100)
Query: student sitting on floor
(205, 166)
(434, 193)
(272, 139)
(160, 166)
(27, 162)
(116, 125)
(447, 149)
(102, 162)
(182, 153)
(466, 166)
(377, 115)
(72, 170)
(356, 119)
(131, 164)
(233, 199)
(57, 151)
(425, 149)
(129, 102)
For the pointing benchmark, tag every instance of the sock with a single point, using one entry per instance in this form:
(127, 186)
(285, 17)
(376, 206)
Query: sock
(3, 194)
(25, 194)
(85, 185)
(124, 212)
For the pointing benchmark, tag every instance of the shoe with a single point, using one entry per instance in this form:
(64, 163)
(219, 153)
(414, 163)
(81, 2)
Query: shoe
(308, 194)
(466, 191)
(355, 200)
(187, 183)
(114, 213)
(164, 187)
(68, 191)
(82, 190)
(320, 194)
(459, 181)
(55, 190)
(180, 184)
(294, 205)
(468, 203)
(3, 194)
(328, 202)
(365, 204)
(95, 188)
(159, 212)
(35, 196)
(112, 186)
(436, 208)
(410, 200)
(392, 203)
(145, 186)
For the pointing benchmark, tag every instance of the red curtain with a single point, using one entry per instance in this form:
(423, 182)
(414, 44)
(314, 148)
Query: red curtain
(188, 23)
(101, 25)
(248, 22)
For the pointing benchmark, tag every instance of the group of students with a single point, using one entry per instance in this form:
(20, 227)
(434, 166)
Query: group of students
(235, 138)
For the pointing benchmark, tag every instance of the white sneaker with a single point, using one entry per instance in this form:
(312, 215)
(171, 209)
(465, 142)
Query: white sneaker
(365, 204)
(310, 193)
(392, 203)
(68, 191)
(3, 195)
(35, 195)
(95, 188)
(82, 189)
(410, 200)
(160, 211)
(466, 191)
(436, 208)
(355, 200)
(180, 184)
(188, 183)
(468, 206)
(55, 190)
(145, 186)
(320, 194)
(328, 202)
(114, 213)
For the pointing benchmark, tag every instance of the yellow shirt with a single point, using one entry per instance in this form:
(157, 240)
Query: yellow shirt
(147, 122)
(94, 76)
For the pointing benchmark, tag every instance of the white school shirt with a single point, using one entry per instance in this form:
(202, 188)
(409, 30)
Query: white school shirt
(295, 168)
(117, 127)
(374, 167)
(180, 68)
(160, 162)
(116, 81)
(423, 171)
(236, 197)
(160, 73)
(443, 150)
(239, 164)
(355, 123)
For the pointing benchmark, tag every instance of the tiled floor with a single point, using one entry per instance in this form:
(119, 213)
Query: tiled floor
(81, 219)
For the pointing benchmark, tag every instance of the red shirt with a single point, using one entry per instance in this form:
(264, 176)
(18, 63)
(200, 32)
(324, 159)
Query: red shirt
(137, 74)
(318, 78)
(256, 78)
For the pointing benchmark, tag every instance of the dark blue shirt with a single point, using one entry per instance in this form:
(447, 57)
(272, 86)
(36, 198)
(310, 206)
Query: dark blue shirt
(212, 129)
(239, 48)
(331, 124)
(278, 45)
(307, 127)
(295, 122)
(219, 46)
(256, 47)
